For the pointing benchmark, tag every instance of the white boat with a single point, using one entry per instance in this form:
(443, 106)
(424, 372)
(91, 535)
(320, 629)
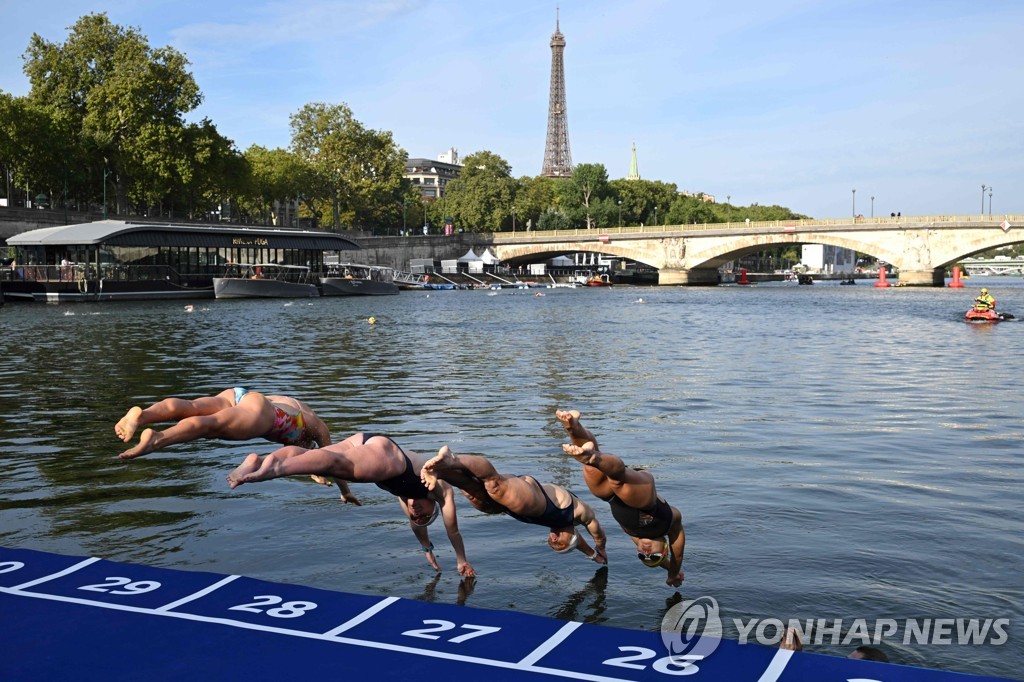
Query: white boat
(355, 279)
(265, 280)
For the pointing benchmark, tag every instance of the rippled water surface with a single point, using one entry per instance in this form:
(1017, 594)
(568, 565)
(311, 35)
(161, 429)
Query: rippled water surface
(837, 452)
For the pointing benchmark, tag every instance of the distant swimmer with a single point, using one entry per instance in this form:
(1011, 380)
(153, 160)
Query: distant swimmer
(369, 458)
(640, 300)
(524, 498)
(654, 526)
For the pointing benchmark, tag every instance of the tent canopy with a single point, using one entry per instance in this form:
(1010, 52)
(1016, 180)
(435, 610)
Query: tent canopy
(489, 258)
(469, 257)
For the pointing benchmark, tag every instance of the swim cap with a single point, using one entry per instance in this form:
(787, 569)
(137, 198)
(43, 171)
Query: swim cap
(433, 515)
(984, 291)
(651, 562)
(571, 546)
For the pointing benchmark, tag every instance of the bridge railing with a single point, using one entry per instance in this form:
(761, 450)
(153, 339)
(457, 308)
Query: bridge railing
(782, 225)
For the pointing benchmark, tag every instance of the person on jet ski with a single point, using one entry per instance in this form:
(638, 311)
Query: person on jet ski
(984, 302)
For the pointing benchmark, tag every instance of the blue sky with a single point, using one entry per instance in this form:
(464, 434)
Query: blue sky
(793, 102)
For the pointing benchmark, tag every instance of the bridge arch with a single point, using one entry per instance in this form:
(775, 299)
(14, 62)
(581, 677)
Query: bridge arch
(921, 248)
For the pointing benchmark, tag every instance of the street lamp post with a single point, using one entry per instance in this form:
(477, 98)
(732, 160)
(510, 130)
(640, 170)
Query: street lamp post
(513, 220)
(655, 215)
(105, 172)
(854, 203)
(620, 212)
(989, 202)
(983, 188)
(872, 207)
(405, 206)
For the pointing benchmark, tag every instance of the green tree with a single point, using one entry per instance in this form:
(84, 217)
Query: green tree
(277, 176)
(640, 197)
(590, 180)
(357, 172)
(33, 148)
(119, 98)
(480, 199)
(533, 195)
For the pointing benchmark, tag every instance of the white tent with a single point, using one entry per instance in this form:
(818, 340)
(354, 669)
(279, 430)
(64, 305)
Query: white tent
(489, 258)
(561, 262)
(470, 257)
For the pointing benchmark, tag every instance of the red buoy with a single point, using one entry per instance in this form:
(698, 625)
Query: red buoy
(743, 277)
(881, 278)
(956, 283)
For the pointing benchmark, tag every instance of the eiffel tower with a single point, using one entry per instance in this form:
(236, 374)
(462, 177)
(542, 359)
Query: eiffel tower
(557, 157)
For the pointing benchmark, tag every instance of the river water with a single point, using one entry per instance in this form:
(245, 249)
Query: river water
(837, 452)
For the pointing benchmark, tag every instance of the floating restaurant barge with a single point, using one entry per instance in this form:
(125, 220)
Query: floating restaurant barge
(115, 260)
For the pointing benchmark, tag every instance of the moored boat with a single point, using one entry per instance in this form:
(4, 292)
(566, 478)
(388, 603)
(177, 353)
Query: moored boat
(355, 279)
(602, 280)
(265, 280)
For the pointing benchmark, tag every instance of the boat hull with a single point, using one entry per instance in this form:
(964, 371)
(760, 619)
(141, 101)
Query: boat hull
(101, 290)
(986, 316)
(343, 286)
(229, 287)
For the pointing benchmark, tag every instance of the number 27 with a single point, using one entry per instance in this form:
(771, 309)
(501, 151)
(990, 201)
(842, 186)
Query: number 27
(443, 625)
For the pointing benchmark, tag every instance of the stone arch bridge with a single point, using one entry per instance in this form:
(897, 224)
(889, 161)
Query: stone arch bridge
(920, 248)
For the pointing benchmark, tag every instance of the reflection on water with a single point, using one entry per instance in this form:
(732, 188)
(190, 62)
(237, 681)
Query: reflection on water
(835, 451)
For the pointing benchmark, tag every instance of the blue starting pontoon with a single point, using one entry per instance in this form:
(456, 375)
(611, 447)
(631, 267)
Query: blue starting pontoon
(91, 619)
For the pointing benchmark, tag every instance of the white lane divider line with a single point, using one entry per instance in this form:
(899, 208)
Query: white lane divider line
(201, 593)
(365, 615)
(59, 574)
(552, 641)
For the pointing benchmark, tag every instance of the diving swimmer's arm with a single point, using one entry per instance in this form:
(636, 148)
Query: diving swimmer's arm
(451, 526)
(677, 541)
(585, 515)
(423, 537)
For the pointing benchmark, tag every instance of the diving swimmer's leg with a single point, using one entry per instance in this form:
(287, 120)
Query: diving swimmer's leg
(250, 464)
(125, 428)
(434, 467)
(147, 444)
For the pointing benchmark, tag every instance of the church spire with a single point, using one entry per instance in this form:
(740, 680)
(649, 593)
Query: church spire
(634, 171)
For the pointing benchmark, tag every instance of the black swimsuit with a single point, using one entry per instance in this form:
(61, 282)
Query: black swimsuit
(553, 517)
(407, 485)
(651, 523)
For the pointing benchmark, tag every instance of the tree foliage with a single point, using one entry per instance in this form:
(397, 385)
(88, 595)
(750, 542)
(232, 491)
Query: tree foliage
(590, 180)
(357, 172)
(481, 199)
(122, 101)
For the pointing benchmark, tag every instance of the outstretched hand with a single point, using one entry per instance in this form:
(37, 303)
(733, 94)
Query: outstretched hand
(350, 498)
(465, 570)
(600, 556)
(432, 560)
(676, 580)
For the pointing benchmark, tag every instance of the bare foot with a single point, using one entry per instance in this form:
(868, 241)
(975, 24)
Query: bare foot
(322, 480)
(428, 474)
(584, 454)
(569, 418)
(577, 433)
(125, 428)
(250, 464)
(147, 444)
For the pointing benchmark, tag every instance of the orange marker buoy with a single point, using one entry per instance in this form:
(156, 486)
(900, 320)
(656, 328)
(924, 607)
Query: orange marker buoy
(881, 278)
(956, 283)
(743, 277)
